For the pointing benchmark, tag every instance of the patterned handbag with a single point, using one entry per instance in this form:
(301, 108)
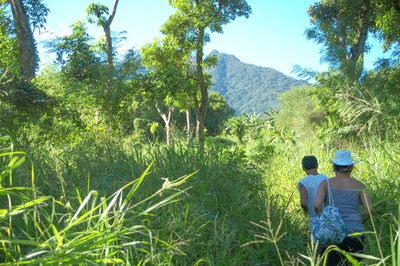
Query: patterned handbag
(328, 228)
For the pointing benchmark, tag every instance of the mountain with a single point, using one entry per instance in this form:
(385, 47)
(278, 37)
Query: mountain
(249, 88)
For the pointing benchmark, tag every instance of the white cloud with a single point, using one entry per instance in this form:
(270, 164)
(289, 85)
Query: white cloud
(50, 33)
(123, 48)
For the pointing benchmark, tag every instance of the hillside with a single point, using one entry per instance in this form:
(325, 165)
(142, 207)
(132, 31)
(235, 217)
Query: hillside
(249, 88)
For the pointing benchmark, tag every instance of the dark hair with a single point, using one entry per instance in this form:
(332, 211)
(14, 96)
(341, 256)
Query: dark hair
(309, 162)
(343, 168)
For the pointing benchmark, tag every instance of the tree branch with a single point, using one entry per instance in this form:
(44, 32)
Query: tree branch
(114, 10)
(215, 14)
(362, 36)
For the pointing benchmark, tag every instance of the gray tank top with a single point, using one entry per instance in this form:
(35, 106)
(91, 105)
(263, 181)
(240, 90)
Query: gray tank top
(348, 203)
(311, 183)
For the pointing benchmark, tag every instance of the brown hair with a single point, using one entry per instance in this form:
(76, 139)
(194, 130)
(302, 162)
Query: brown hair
(343, 168)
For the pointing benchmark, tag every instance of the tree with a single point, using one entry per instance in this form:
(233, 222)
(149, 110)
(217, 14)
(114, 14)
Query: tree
(388, 25)
(8, 43)
(354, 101)
(169, 77)
(99, 11)
(76, 56)
(27, 16)
(26, 42)
(342, 27)
(190, 26)
(218, 113)
(298, 111)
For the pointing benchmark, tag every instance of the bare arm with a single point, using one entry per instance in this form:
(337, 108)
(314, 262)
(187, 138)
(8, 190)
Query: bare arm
(303, 198)
(319, 199)
(366, 203)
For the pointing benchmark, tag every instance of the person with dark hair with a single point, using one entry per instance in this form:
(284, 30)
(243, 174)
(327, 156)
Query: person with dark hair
(308, 186)
(348, 194)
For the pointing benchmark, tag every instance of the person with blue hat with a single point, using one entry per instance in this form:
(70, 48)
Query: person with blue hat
(348, 194)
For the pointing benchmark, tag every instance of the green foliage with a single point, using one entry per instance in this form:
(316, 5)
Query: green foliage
(348, 111)
(375, 110)
(218, 113)
(242, 203)
(130, 66)
(256, 135)
(154, 127)
(89, 86)
(89, 133)
(248, 89)
(388, 25)
(169, 78)
(189, 28)
(87, 228)
(298, 111)
(260, 148)
(99, 11)
(21, 94)
(142, 129)
(37, 13)
(76, 56)
(210, 14)
(342, 28)
(260, 137)
(22, 104)
(236, 126)
(8, 44)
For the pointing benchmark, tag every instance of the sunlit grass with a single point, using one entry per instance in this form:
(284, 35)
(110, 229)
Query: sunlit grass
(81, 208)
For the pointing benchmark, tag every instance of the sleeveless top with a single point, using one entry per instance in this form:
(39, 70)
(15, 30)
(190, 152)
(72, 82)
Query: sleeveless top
(348, 203)
(311, 183)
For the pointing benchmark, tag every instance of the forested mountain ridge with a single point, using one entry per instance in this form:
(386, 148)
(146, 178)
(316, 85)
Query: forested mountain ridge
(249, 88)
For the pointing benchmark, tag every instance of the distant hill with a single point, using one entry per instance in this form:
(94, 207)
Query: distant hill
(249, 88)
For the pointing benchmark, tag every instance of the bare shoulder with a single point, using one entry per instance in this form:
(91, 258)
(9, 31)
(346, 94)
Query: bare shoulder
(301, 186)
(359, 184)
(324, 183)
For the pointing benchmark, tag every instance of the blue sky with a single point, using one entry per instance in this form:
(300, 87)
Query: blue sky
(273, 35)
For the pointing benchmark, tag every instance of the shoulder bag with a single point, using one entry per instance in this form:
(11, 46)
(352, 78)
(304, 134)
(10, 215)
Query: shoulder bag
(328, 228)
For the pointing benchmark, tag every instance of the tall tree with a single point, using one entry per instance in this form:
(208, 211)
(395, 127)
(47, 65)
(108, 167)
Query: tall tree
(388, 25)
(27, 16)
(8, 43)
(26, 43)
(342, 27)
(169, 77)
(100, 11)
(76, 56)
(191, 26)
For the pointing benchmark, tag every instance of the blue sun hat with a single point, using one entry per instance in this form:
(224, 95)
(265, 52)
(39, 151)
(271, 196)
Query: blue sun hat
(343, 158)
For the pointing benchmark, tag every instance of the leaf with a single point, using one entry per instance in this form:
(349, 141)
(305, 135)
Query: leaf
(82, 206)
(111, 204)
(23, 207)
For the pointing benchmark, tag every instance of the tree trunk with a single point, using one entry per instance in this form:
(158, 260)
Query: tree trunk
(357, 51)
(188, 125)
(26, 42)
(167, 120)
(201, 110)
(109, 48)
(107, 32)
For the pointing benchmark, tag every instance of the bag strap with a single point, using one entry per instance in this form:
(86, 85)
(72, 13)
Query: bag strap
(330, 197)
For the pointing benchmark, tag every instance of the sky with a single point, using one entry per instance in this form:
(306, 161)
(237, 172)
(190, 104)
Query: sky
(273, 35)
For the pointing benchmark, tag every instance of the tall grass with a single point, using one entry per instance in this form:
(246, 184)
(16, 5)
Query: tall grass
(84, 204)
(378, 169)
(97, 230)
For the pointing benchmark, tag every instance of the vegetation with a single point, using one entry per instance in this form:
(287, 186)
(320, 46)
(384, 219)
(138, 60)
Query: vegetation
(97, 168)
(249, 89)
